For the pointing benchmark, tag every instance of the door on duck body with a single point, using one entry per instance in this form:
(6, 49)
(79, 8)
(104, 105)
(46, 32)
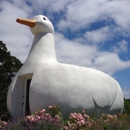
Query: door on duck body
(26, 88)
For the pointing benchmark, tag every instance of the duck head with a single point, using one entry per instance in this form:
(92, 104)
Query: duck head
(39, 24)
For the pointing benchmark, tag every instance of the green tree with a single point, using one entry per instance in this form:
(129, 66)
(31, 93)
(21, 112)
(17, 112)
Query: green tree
(127, 106)
(8, 66)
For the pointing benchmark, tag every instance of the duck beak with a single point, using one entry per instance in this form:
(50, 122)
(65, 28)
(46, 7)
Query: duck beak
(30, 23)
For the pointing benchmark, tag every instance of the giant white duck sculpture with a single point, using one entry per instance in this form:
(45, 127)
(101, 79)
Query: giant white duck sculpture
(42, 81)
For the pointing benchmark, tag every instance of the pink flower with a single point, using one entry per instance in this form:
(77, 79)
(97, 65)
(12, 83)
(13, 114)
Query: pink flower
(83, 111)
(57, 117)
(78, 123)
(88, 124)
(75, 114)
(110, 116)
(82, 122)
(86, 116)
(2, 123)
(66, 128)
(32, 119)
(72, 116)
(68, 123)
(72, 127)
(28, 117)
(38, 117)
(54, 106)
(79, 116)
(5, 123)
(48, 117)
(50, 107)
(43, 118)
(42, 111)
(36, 113)
(115, 117)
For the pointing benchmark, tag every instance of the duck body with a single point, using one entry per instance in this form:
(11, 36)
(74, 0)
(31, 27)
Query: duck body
(76, 88)
(71, 87)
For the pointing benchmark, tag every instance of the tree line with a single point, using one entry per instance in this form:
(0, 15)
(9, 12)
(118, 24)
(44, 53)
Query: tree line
(8, 66)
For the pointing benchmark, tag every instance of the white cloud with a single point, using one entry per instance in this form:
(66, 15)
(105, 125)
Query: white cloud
(51, 5)
(119, 12)
(109, 62)
(79, 14)
(98, 36)
(83, 13)
(17, 37)
(121, 47)
(73, 52)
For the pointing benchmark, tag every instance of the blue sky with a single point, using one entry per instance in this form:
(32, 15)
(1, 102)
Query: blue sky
(88, 33)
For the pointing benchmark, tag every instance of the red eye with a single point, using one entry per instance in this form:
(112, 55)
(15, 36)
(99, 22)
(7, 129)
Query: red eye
(44, 18)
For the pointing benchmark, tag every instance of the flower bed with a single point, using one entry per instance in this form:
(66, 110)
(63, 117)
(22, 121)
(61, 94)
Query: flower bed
(51, 119)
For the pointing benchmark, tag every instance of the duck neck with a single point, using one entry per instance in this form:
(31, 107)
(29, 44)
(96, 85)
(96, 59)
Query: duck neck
(43, 47)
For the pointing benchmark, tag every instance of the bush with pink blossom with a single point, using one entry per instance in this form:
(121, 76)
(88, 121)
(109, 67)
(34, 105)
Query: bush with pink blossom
(81, 121)
(2, 124)
(51, 119)
(78, 121)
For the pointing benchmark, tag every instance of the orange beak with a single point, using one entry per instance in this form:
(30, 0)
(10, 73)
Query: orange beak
(30, 23)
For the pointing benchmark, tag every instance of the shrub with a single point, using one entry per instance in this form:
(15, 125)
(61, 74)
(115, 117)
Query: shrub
(51, 119)
(81, 121)
(127, 106)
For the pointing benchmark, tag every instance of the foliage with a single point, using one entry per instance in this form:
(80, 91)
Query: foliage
(8, 65)
(81, 121)
(51, 119)
(127, 106)
(2, 124)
